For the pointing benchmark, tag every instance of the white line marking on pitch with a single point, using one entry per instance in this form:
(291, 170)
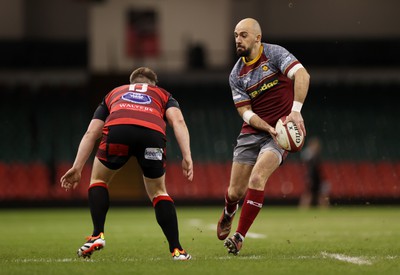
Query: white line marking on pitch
(255, 235)
(345, 258)
(249, 235)
(66, 260)
(339, 257)
(44, 260)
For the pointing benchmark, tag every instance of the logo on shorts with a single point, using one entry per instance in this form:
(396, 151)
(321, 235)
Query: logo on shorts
(153, 153)
(136, 98)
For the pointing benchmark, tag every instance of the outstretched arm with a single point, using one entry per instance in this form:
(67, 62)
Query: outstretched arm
(72, 176)
(177, 122)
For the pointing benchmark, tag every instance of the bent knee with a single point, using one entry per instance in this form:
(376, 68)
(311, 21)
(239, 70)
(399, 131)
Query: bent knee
(236, 193)
(257, 182)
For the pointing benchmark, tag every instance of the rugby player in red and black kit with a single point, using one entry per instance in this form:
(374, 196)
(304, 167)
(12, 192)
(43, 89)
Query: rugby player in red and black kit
(131, 121)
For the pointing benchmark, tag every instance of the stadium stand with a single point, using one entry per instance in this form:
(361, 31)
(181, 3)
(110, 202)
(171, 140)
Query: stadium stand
(361, 161)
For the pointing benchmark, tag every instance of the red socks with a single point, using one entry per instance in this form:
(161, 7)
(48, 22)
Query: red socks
(252, 205)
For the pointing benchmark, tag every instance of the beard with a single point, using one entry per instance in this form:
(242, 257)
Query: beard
(242, 52)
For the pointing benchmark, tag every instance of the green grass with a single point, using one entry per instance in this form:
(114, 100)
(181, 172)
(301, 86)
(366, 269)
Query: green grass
(340, 240)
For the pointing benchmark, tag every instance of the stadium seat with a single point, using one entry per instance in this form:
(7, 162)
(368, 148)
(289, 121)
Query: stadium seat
(287, 182)
(24, 181)
(389, 179)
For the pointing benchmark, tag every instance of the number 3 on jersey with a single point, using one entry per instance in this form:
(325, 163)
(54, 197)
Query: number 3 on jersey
(139, 87)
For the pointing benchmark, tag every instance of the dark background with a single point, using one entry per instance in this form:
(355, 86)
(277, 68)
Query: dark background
(49, 92)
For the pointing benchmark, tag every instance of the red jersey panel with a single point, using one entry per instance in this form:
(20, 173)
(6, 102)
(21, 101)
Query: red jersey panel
(138, 104)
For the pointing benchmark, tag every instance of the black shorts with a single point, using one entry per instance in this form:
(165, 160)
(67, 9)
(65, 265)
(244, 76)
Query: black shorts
(121, 142)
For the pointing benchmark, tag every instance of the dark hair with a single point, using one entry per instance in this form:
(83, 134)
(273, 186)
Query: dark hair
(143, 75)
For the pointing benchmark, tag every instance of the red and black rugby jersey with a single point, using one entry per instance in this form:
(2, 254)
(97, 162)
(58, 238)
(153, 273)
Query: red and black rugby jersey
(138, 104)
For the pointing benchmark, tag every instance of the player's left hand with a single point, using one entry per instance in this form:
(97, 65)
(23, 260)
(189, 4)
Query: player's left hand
(297, 118)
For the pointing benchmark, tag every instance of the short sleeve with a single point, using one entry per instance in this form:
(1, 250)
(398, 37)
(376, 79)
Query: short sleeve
(172, 102)
(101, 112)
(239, 95)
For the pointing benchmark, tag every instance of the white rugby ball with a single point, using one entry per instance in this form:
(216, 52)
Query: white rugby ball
(288, 136)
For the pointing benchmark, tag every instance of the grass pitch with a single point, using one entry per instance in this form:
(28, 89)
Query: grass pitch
(283, 240)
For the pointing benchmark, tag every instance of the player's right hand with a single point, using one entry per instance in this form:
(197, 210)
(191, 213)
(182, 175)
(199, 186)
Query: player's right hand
(71, 179)
(187, 168)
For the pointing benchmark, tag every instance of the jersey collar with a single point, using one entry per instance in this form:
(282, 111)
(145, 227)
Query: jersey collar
(251, 62)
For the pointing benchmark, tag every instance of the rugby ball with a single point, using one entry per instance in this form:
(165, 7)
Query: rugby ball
(288, 136)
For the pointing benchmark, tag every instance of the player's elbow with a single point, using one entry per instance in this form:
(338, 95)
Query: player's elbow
(93, 135)
(175, 117)
(178, 123)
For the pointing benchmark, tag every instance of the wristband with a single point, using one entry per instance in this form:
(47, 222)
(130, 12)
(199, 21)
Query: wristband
(247, 115)
(297, 106)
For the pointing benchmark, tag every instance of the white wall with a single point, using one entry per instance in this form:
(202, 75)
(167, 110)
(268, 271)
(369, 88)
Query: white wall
(180, 22)
(303, 19)
(210, 22)
(56, 19)
(11, 19)
(47, 19)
